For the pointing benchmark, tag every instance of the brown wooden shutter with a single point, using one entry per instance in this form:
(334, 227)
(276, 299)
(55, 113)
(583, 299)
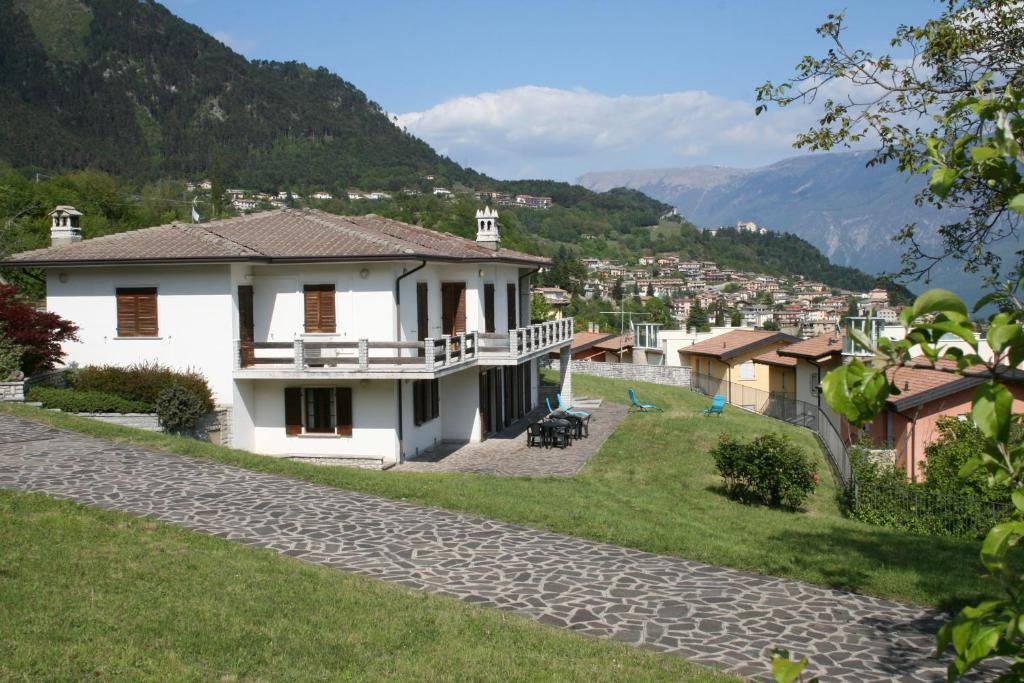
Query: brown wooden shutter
(293, 410)
(488, 307)
(137, 312)
(511, 300)
(319, 308)
(422, 314)
(460, 311)
(246, 324)
(435, 399)
(343, 411)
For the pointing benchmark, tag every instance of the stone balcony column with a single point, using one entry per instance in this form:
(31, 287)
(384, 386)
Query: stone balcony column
(299, 351)
(565, 375)
(428, 352)
(446, 339)
(462, 347)
(364, 354)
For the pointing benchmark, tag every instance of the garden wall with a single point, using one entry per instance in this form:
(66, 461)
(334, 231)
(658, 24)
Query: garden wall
(677, 376)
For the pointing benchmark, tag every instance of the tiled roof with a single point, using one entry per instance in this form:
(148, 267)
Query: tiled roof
(581, 341)
(816, 347)
(282, 235)
(736, 342)
(616, 343)
(773, 358)
(922, 382)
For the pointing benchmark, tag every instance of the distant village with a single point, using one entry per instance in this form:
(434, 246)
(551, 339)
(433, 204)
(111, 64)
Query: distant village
(794, 304)
(244, 201)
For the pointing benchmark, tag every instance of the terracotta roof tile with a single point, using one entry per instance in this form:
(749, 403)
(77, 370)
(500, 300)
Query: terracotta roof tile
(816, 347)
(773, 358)
(581, 341)
(736, 342)
(286, 234)
(616, 343)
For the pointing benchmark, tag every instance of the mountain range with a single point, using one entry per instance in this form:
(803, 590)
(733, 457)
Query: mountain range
(850, 211)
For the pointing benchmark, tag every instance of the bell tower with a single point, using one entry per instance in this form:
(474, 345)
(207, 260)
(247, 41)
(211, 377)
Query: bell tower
(487, 234)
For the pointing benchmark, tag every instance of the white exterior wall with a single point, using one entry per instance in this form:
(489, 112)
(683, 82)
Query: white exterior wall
(460, 413)
(374, 418)
(195, 311)
(416, 439)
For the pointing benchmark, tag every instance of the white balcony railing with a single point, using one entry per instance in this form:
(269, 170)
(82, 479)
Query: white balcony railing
(428, 356)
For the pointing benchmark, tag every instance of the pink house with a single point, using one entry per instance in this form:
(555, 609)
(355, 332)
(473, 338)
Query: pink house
(910, 419)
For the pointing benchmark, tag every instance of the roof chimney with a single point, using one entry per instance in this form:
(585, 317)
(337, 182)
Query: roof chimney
(487, 229)
(65, 227)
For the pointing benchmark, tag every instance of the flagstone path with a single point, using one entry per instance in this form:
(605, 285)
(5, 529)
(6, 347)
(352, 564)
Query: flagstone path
(712, 615)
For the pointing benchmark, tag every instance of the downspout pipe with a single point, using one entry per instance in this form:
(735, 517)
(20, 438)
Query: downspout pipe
(912, 454)
(521, 278)
(398, 334)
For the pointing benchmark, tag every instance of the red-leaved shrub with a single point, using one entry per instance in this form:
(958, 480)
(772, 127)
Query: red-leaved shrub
(39, 333)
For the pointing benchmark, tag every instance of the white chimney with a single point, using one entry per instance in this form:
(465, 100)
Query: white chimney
(487, 234)
(65, 227)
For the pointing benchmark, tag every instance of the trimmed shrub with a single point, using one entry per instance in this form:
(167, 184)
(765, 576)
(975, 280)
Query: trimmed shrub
(770, 469)
(142, 382)
(74, 401)
(179, 409)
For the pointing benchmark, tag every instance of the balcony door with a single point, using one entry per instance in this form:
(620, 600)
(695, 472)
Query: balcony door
(488, 307)
(453, 308)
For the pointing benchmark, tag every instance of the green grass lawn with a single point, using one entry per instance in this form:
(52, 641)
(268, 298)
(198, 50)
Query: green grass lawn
(95, 595)
(653, 487)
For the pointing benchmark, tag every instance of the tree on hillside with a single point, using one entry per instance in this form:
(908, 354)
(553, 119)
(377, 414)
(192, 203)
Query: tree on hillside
(698, 319)
(719, 315)
(617, 291)
(770, 325)
(736, 319)
(929, 113)
(852, 310)
(217, 185)
(540, 309)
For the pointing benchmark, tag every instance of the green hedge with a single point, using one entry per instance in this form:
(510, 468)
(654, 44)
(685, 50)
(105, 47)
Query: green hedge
(75, 401)
(141, 382)
(912, 507)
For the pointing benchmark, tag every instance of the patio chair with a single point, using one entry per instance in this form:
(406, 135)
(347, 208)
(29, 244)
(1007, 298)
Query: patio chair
(560, 435)
(569, 409)
(642, 407)
(717, 406)
(536, 435)
(551, 411)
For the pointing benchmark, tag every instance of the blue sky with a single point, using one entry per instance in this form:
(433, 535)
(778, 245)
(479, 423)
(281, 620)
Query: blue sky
(555, 89)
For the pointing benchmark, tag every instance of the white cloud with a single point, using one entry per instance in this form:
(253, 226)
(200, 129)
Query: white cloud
(532, 131)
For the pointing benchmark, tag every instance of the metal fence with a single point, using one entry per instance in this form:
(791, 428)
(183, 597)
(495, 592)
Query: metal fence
(912, 508)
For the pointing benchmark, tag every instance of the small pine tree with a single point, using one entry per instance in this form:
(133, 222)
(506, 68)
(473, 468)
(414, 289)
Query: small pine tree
(698, 319)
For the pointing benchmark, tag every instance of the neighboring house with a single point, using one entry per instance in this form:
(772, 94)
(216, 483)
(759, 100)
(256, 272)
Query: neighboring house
(533, 202)
(928, 393)
(322, 195)
(329, 337)
(556, 297)
(585, 345)
(781, 373)
(725, 364)
(814, 358)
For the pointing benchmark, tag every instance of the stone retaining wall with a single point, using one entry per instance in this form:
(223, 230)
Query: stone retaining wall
(672, 375)
(146, 421)
(15, 391)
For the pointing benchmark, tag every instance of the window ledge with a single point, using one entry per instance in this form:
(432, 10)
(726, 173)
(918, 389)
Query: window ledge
(320, 435)
(137, 337)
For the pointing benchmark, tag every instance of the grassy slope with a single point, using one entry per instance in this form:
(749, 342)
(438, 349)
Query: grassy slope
(653, 487)
(106, 596)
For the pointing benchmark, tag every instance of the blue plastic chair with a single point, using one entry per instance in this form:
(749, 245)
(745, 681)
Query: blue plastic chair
(568, 409)
(642, 407)
(547, 400)
(717, 406)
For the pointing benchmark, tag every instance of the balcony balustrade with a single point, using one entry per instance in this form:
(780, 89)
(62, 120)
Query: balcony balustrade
(407, 358)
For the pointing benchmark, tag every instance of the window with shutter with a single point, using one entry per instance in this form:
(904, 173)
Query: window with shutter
(511, 299)
(453, 307)
(422, 318)
(137, 312)
(343, 411)
(426, 401)
(320, 410)
(293, 410)
(488, 307)
(319, 308)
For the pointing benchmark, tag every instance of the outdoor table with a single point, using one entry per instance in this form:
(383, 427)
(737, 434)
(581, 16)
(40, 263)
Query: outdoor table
(558, 424)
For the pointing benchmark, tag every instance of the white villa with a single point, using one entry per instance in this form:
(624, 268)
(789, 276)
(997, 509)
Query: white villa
(328, 337)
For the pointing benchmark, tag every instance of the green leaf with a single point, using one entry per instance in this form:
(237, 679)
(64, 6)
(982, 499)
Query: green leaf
(942, 181)
(1018, 499)
(991, 411)
(784, 669)
(1001, 336)
(1017, 203)
(980, 154)
(939, 300)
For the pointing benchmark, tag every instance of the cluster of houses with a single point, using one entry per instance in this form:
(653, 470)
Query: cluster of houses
(796, 305)
(244, 201)
(508, 199)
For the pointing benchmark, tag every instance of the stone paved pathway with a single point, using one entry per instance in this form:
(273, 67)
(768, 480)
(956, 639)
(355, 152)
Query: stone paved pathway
(506, 453)
(716, 616)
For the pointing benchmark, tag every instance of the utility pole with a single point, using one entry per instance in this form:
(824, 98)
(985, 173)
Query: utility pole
(622, 313)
